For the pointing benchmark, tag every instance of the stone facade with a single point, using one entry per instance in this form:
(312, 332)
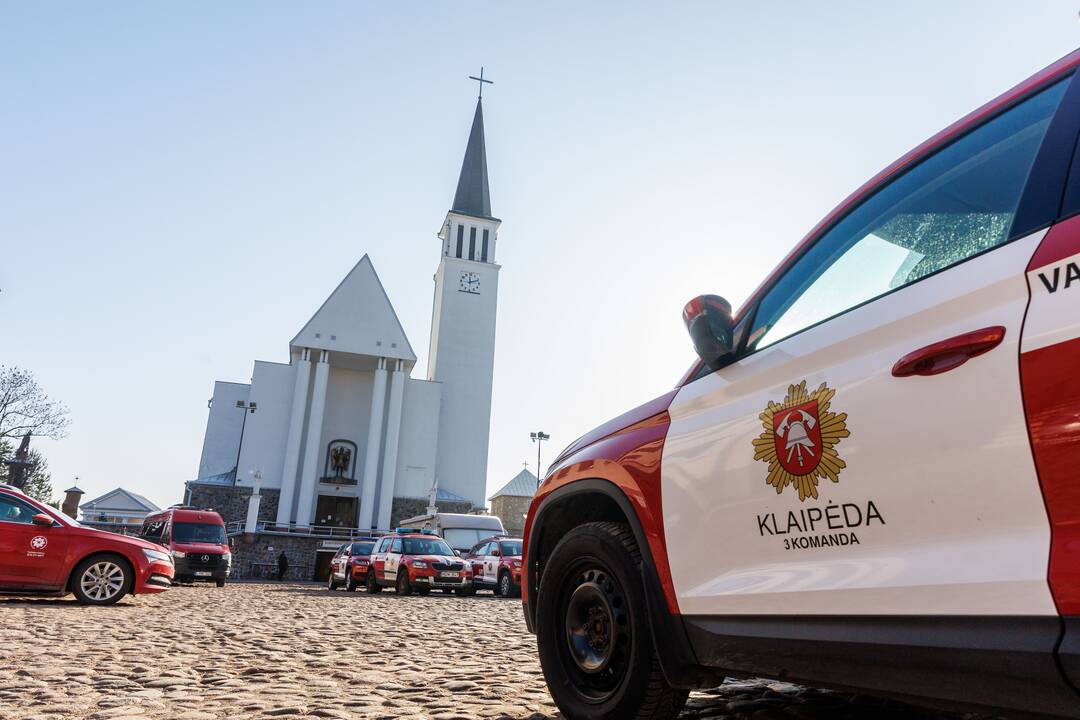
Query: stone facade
(404, 508)
(231, 502)
(511, 509)
(256, 556)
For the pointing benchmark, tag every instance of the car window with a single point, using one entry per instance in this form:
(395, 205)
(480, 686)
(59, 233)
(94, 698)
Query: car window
(427, 546)
(362, 548)
(16, 511)
(195, 532)
(396, 546)
(153, 529)
(951, 206)
(511, 548)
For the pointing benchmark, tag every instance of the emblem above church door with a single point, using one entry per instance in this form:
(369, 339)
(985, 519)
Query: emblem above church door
(340, 467)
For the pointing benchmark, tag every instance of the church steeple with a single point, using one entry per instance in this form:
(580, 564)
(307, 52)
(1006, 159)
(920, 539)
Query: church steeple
(472, 196)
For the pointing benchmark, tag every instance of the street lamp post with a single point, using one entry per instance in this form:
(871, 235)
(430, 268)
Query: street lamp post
(247, 407)
(538, 437)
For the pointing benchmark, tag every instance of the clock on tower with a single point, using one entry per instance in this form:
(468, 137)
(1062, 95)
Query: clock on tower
(470, 283)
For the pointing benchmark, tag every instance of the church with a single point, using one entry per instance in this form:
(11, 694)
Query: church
(344, 435)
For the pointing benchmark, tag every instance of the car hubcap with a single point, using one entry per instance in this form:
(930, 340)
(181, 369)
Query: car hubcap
(102, 580)
(597, 631)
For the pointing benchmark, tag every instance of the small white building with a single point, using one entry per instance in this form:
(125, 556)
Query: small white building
(116, 507)
(343, 432)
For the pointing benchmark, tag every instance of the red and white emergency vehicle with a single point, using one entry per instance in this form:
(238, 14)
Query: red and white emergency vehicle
(415, 560)
(195, 538)
(495, 564)
(870, 479)
(44, 552)
(349, 566)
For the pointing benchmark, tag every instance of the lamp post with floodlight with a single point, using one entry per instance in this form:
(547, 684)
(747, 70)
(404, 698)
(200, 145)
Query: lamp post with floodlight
(538, 437)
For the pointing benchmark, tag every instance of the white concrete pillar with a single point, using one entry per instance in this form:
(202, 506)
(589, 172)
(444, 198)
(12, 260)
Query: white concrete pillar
(374, 439)
(251, 523)
(390, 456)
(313, 445)
(292, 441)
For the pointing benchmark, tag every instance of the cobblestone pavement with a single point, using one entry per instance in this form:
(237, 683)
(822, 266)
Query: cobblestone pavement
(297, 650)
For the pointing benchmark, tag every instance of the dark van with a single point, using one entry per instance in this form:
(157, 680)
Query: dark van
(195, 537)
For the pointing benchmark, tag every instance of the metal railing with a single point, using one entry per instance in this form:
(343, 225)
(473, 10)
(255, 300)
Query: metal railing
(321, 531)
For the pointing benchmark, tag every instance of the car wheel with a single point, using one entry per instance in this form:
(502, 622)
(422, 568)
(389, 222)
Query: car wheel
(592, 630)
(350, 582)
(220, 583)
(331, 584)
(371, 583)
(507, 587)
(402, 585)
(101, 580)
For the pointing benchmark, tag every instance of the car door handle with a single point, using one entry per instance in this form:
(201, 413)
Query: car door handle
(949, 354)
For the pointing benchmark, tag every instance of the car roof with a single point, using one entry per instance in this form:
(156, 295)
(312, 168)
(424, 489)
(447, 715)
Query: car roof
(191, 515)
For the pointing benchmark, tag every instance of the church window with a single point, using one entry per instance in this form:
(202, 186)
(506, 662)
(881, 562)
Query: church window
(472, 243)
(484, 247)
(460, 239)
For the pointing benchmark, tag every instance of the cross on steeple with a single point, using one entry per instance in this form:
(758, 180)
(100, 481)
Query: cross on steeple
(481, 80)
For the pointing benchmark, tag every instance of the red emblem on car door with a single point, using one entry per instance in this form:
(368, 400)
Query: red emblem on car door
(797, 436)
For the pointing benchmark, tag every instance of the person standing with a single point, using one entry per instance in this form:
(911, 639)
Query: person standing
(282, 566)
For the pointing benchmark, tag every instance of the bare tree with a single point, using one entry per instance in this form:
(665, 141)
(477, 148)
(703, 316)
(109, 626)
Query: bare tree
(25, 408)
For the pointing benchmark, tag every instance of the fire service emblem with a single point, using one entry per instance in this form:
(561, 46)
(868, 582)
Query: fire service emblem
(799, 440)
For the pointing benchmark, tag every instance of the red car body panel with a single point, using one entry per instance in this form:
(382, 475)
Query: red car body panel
(47, 567)
(626, 451)
(1050, 379)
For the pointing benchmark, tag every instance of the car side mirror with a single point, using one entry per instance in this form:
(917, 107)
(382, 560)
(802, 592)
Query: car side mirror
(42, 519)
(496, 553)
(708, 320)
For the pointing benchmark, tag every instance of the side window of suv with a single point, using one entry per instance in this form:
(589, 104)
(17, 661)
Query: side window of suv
(396, 546)
(951, 206)
(16, 511)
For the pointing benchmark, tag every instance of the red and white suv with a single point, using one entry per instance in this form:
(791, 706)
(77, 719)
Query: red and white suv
(44, 552)
(495, 564)
(349, 566)
(869, 480)
(415, 560)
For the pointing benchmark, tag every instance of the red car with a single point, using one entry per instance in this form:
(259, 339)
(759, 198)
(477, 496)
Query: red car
(349, 566)
(44, 552)
(419, 560)
(868, 480)
(496, 565)
(195, 538)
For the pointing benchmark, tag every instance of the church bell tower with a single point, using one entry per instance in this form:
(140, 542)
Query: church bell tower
(461, 355)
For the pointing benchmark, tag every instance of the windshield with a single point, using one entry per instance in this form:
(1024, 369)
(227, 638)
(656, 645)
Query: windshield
(465, 538)
(426, 546)
(186, 532)
(511, 548)
(362, 548)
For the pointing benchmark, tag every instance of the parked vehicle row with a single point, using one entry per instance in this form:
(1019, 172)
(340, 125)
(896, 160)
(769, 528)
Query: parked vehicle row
(419, 561)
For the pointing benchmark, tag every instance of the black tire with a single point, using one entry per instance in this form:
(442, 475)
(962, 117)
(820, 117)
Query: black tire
(507, 588)
(402, 585)
(101, 579)
(350, 582)
(331, 583)
(371, 584)
(592, 630)
(219, 583)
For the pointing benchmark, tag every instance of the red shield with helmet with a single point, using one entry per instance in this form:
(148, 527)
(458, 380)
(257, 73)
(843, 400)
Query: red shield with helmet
(797, 434)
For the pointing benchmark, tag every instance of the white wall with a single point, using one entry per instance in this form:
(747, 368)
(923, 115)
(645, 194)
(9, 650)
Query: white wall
(419, 438)
(264, 436)
(222, 429)
(348, 409)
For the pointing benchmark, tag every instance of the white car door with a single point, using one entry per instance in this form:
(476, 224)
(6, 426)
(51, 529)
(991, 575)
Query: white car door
(819, 473)
(393, 560)
(491, 563)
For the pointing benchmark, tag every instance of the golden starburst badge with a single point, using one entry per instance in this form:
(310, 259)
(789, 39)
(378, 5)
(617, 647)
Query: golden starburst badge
(800, 438)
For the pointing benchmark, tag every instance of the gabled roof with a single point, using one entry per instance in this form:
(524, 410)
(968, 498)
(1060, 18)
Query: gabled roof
(523, 485)
(472, 196)
(120, 499)
(357, 318)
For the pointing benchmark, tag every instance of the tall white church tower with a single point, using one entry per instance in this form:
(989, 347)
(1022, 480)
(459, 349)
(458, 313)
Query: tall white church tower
(462, 352)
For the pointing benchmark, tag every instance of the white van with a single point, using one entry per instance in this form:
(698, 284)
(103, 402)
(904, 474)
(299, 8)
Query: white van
(460, 530)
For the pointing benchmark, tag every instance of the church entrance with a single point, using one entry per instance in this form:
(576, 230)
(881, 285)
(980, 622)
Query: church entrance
(336, 511)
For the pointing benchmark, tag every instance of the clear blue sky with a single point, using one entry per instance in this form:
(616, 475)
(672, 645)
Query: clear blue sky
(183, 184)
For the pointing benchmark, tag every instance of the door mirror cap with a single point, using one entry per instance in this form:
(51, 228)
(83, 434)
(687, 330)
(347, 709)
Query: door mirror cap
(709, 322)
(495, 553)
(42, 519)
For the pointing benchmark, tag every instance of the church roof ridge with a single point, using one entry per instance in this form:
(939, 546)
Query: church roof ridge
(473, 196)
(523, 484)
